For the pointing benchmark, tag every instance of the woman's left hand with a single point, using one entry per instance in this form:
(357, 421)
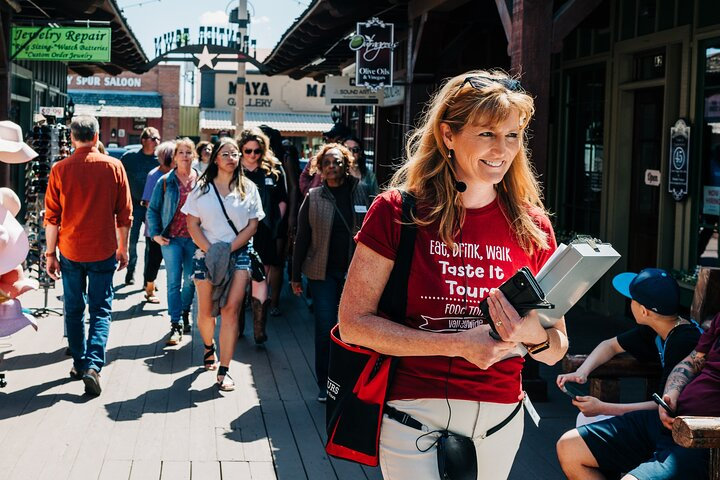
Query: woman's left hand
(296, 288)
(510, 325)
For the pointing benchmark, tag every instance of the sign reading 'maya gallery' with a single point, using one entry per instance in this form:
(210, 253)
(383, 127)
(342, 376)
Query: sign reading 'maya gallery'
(62, 44)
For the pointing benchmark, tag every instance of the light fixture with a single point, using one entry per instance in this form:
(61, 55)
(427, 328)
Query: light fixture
(335, 114)
(70, 108)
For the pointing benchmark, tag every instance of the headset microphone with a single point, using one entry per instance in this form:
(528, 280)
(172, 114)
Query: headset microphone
(460, 186)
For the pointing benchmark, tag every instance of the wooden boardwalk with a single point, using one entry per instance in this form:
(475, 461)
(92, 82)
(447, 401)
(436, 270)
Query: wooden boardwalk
(160, 416)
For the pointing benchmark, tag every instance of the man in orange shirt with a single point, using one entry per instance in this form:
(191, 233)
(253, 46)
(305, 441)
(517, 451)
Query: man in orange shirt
(88, 213)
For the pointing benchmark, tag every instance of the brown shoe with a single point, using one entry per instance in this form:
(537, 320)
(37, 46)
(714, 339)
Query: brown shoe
(92, 382)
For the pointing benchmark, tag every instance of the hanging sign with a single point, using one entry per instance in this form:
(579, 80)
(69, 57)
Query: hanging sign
(679, 151)
(373, 44)
(62, 44)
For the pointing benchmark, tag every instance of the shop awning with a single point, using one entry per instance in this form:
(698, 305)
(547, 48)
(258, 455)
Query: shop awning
(290, 122)
(117, 104)
(314, 45)
(211, 119)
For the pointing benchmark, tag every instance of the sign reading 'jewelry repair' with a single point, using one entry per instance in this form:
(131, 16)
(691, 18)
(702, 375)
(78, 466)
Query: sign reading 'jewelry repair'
(63, 44)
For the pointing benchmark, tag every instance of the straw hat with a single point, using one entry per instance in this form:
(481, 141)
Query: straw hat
(12, 147)
(12, 318)
(14, 244)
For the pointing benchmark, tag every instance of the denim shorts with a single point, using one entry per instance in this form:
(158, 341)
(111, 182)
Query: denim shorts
(242, 262)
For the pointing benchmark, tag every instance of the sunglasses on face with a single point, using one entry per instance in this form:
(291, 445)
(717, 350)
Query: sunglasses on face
(354, 149)
(250, 151)
(154, 139)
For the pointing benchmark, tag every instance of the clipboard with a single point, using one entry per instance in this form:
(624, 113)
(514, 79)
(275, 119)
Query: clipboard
(570, 272)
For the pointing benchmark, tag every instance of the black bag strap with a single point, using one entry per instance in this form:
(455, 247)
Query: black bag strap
(337, 209)
(393, 301)
(222, 205)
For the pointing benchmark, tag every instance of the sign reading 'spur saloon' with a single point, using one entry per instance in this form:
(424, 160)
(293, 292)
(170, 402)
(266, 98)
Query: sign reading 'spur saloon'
(373, 44)
(62, 44)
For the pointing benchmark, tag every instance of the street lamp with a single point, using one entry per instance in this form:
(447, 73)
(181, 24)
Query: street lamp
(335, 114)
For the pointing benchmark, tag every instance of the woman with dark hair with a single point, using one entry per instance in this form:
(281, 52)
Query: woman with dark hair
(153, 252)
(168, 228)
(202, 152)
(222, 215)
(329, 217)
(360, 169)
(475, 194)
(262, 168)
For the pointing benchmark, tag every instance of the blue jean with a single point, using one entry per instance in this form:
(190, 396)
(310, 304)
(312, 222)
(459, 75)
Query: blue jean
(178, 258)
(91, 283)
(326, 299)
(138, 219)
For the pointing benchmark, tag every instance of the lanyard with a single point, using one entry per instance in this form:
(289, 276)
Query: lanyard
(660, 344)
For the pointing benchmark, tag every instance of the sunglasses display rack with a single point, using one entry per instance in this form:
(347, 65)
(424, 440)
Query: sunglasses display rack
(52, 143)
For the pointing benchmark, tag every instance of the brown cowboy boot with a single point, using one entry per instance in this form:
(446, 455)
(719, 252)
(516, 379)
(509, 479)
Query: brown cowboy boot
(260, 311)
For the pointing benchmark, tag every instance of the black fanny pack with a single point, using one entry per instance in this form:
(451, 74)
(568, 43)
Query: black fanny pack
(456, 456)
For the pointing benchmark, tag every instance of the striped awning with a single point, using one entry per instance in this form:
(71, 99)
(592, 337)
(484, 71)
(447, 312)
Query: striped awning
(99, 103)
(211, 119)
(290, 122)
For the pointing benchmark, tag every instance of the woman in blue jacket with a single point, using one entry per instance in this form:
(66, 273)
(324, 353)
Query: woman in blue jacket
(168, 227)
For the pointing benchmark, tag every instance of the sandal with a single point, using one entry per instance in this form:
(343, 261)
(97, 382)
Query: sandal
(209, 359)
(226, 384)
(151, 298)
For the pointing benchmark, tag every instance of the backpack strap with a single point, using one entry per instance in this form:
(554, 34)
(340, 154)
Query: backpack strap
(393, 300)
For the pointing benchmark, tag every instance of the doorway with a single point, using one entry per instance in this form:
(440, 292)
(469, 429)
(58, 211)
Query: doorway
(644, 193)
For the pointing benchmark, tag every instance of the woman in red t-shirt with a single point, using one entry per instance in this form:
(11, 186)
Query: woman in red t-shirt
(480, 218)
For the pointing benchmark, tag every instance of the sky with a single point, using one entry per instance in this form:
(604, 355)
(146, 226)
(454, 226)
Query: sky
(269, 19)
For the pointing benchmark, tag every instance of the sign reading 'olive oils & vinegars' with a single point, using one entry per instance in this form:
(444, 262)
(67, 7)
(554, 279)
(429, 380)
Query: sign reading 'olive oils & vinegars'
(62, 44)
(374, 44)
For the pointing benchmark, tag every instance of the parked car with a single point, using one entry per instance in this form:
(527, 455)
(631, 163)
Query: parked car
(133, 147)
(116, 152)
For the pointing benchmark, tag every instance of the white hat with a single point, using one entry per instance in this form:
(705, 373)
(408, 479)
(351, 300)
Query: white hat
(13, 319)
(14, 244)
(10, 200)
(12, 147)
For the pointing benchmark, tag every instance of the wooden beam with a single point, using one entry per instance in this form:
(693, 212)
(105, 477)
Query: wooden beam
(506, 20)
(697, 432)
(568, 18)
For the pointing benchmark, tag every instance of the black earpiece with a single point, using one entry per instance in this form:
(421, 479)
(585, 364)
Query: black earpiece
(459, 186)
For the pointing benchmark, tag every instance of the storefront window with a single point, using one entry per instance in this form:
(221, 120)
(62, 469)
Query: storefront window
(710, 161)
(583, 169)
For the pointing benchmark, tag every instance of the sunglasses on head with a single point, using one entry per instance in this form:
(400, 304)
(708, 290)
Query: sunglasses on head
(478, 82)
(250, 151)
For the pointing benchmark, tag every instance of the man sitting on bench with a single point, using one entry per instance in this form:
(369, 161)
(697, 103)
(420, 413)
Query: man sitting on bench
(636, 442)
(660, 335)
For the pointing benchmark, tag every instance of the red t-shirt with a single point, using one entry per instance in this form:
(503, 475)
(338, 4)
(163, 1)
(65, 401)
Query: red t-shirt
(702, 395)
(444, 290)
(178, 225)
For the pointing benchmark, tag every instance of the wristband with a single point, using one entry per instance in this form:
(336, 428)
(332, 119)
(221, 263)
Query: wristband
(50, 254)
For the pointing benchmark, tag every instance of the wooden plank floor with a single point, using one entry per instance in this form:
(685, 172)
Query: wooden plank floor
(160, 416)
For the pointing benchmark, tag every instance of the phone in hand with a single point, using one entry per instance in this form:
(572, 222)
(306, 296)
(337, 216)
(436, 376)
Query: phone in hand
(574, 389)
(656, 398)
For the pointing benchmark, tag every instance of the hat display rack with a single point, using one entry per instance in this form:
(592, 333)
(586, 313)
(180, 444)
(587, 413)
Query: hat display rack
(52, 143)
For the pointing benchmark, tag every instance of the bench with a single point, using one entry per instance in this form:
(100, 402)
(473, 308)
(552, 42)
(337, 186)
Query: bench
(700, 432)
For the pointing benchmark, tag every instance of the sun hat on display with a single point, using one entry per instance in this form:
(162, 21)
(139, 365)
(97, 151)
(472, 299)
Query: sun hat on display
(13, 319)
(14, 244)
(12, 147)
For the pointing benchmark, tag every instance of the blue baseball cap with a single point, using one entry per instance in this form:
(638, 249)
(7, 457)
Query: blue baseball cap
(652, 288)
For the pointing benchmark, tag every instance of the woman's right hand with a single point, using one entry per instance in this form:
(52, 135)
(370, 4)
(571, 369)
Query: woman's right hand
(296, 288)
(570, 377)
(482, 350)
(162, 241)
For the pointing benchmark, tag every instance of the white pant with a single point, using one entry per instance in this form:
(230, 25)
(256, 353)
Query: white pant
(400, 458)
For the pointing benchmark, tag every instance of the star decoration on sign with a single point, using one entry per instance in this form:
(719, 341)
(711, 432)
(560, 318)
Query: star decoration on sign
(205, 58)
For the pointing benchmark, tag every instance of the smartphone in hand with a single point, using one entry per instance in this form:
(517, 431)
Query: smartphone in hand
(574, 389)
(656, 398)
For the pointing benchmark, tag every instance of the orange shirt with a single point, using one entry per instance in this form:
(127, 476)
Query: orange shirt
(87, 196)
